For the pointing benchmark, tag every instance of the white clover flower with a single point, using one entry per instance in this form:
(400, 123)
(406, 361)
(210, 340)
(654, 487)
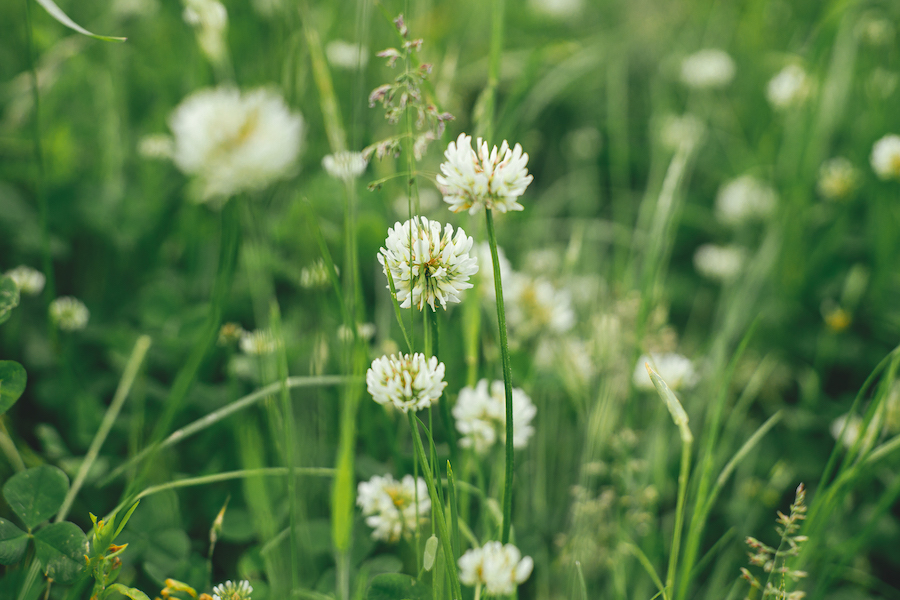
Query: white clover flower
(346, 55)
(29, 281)
(790, 87)
(436, 267)
(235, 142)
(156, 146)
(488, 178)
(481, 416)
(709, 68)
(345, 165)
(209, 19)
(316, 275)
(745, 199)
(258, 342)
(497, 567)
(885, 157)
(684, 130)
(231, 590)
(407, 382)
(69, 314)
(390, 506)
(535, 305)
(838, 178)
(721, 263)
(854, 429)
(676, 370)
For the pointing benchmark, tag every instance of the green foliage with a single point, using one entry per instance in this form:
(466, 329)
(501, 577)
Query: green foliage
(395, 586)
(36, 494)
(12, 383)
(9, 297)
(60, 549)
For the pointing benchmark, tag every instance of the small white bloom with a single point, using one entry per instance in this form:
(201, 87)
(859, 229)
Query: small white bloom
(790, 87)
(854, 429)
(490, 178)
(557, 9)
(390, 506)
(481, 416)
(886, 157)
(209, 19)
(346, 55)
(722, 263)
(366, 331)
(676, 370)
(258, 342)
(231, 590)
(436, 267)
(535, 305)
(745, 199)
(345, 165)
(157, 146)
(684, 130)
(69, 314)
(315, 275)
(30, 281)
(235, 142)
(497, 567)
(709, 68)
(407, 382)
(838, 178)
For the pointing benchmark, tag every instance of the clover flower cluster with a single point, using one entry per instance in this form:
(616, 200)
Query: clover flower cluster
(720, 263)
(233, 590)
(499, 568)
(789, 88)
(537, 306)
(406, 382)
(345, 165)
(838, 179)
(481, 416)
(707, 69)
(29, 281)
(393, 509)
(885, 157)
(745, 199)
(210, 20)
(483, 178)
(258, 342)
(426, 264)
(69, 313)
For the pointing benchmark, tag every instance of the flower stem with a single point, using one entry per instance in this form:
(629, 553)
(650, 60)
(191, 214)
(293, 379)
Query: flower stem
(507, 379)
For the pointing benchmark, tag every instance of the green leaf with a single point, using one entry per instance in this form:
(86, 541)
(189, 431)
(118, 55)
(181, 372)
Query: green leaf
(394, 586)
(9, 297)
(133, 593)
(57, 13)
(12, 383)
(60, 549)
(13, 542)
(36, 494)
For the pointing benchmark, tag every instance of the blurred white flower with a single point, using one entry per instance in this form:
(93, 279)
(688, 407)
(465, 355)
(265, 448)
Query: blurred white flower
(481, 416)
(365, 331)
(854, 429)
(346, 55)
(557, 9)
(345, 165)
(69, 314)
(534, 305)
(790, 87)
(156, 146)
(745, 199)
(500, 569)
(29, 281)
(407, 382)
(231, 590)
(683, 130)
(885, 157)
(315, 275)
(709, 68)
(838, 178)
(390, 506)
(258, 342)
(235, 142)
(721, 263)
(209, 19)
(490, 178)
(436, 267)
(676, 370)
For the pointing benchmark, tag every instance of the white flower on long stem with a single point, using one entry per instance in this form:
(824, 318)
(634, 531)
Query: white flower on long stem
(231, 590)
(390, 505)
(535, 305)
(497, 567)
(407, 382)
(69, 314)
(481, 416)
(790, 87)
(709, 68)
(886, 157)
(427, 265)
(345, 165)
(235, 142)
(722, 263)
(483, 178)
(29, 281)
(676, 370)
(838, 178)
(745, 199)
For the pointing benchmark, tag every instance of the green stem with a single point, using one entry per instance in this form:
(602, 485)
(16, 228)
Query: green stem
(683, 478)
(507, 380)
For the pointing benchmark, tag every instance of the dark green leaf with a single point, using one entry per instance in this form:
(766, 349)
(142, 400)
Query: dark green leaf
(9, 297)
(13, 542)
(60, 549)
(133, 593)
(57, 13)
(36, 494)
(394, 586)
(12, 383)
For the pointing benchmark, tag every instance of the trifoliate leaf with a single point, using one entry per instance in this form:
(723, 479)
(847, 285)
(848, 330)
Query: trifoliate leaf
(36, 494)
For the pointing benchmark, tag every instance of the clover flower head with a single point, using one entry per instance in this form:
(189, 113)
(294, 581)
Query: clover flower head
(682, 130)
(535, 305)
(69, 314)
(345, 165)
(790, 87)
(29, 281)
(720, 263)
(838, 179)
(316, 275)
(231, 590)
(390, 506)
(235, 142)
(885, 157)
(427, 265)
(209, 19)
(499, 568)
(481, 416)
(156, 146)
(745, 199)
(258, 342)
(676, 370)
(406, 381)
(483, 178)
(707, 69)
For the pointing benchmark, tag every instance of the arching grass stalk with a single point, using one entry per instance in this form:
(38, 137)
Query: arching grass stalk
(507, 380)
